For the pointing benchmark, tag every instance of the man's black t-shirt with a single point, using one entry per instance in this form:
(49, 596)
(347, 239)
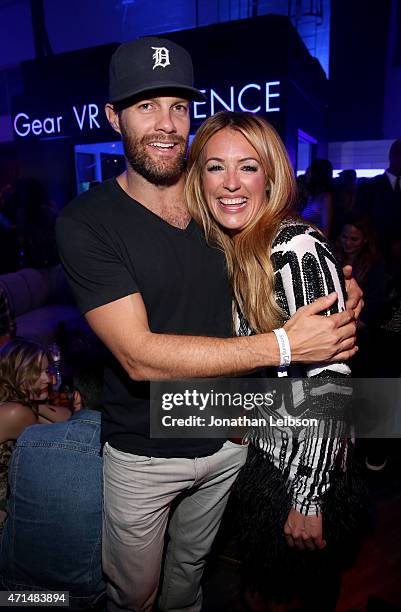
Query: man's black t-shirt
(111, 246)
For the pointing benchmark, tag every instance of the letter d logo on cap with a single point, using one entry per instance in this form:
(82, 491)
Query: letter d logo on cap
(161, 56)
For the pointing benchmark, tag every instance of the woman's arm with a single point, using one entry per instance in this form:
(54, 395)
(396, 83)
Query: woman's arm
(306, 269)
(14, 418)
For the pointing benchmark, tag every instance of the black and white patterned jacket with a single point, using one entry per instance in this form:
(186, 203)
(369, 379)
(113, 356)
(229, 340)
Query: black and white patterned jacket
(305, 269)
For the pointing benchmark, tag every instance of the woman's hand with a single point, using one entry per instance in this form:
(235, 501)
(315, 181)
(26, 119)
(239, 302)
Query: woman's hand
(304, 532)
(354, 292)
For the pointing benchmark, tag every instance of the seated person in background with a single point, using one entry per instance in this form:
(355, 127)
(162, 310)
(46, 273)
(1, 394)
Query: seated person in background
(52, 534)
(24, 390)
(7, 321)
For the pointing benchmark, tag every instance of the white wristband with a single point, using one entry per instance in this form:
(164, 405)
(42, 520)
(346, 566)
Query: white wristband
(284, 346)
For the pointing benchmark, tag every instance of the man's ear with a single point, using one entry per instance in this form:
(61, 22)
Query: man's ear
(112, 117)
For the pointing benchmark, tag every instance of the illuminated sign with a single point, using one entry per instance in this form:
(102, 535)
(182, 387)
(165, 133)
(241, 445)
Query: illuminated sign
(251, 98)
(88, 118)
(84, 116)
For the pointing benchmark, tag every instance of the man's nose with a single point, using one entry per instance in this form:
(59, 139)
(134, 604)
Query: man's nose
(165, 122)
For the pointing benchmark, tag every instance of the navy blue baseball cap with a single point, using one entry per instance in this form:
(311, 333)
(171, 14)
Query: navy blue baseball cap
(150, 64)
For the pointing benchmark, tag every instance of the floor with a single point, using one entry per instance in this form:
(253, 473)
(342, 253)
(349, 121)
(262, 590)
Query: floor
(373, 584)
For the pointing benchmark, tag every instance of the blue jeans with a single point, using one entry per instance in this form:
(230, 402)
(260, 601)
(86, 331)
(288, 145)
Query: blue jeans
(52, 534)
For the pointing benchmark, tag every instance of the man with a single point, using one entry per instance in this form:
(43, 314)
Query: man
(157, 295)
(52, 534)
(380, 199)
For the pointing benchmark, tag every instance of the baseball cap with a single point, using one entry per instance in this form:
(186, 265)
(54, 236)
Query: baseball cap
(148, 64)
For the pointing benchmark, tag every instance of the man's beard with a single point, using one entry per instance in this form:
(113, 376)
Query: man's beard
(158, 172)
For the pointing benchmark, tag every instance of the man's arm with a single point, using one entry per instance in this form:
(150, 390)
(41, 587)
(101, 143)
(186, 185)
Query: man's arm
(123, 327)
(110, 296)
(314, 460)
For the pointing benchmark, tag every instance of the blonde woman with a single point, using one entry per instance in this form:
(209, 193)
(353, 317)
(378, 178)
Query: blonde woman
(241, 189)
(24, 391)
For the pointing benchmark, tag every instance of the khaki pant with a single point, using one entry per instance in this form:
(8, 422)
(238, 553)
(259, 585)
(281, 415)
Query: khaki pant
(138, 493)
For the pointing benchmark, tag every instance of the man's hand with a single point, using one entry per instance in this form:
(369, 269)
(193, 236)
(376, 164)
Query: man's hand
(354, 292)
(304, 532)
(315, 338)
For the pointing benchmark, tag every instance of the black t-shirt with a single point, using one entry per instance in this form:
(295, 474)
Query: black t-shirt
(111, 246)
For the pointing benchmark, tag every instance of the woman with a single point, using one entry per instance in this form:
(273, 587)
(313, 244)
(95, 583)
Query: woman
(356, 246)
(241, 188)
(24, 391)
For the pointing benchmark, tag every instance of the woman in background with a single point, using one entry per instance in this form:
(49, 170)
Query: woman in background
(24, 392)
(356, 246)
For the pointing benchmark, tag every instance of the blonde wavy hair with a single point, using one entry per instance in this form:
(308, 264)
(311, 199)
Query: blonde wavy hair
(20, 368)
(249, 266)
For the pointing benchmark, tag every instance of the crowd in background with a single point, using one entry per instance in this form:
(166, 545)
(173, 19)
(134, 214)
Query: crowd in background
(362, 219)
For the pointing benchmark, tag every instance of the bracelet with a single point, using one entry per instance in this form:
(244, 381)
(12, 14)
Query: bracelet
(284, 346)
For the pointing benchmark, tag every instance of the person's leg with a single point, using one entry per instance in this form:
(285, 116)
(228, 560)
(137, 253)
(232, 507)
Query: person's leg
(194, 525)
(138, 492)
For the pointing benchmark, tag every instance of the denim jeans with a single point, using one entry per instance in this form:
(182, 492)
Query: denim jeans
(52, 534)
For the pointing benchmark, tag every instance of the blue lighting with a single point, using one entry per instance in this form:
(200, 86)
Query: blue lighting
(360, 172)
